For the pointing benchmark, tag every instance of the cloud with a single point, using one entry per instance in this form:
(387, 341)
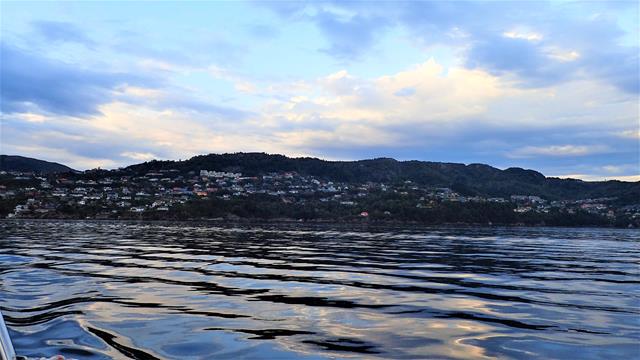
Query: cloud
(58, 31)
(618, 66)
(221, 51)
(77, 144)
(65, 89)
(520, 57)
(538, 43)
(618, 169)
(240, 82)
(31, 83)
(349, 36)
(596, 177)
(558, 150)
(629, 134)
(178, 99)
(563, 55)
(530, 36)
(149, 54)
(431, 95)
(31, 117)
(140, 156)
(195, 51)
(540, 63)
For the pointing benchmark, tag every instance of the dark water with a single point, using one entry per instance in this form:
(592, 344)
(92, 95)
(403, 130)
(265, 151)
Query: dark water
(186, 291)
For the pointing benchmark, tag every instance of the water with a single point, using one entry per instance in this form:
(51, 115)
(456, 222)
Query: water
(97, 290)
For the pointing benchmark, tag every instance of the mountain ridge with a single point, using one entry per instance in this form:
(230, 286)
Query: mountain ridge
(27, 164)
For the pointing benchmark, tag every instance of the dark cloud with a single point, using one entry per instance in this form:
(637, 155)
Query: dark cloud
(502, 55)
(33, 83)
(538, 65)
(349, 38)
(57, 31)
(30, 81)
(620, 68)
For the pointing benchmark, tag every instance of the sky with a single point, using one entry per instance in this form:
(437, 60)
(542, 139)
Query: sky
(551, 86)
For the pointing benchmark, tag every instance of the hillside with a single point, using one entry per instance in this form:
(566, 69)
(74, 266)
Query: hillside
(25, 164)
(472, 179)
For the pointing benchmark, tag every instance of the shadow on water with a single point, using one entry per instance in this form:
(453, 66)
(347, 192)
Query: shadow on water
(127, 351)
(343, 344)
(265, 334)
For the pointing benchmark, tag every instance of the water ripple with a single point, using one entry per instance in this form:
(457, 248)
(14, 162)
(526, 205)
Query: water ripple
(99, 290)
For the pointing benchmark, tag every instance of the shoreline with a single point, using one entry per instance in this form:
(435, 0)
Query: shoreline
(282, 221)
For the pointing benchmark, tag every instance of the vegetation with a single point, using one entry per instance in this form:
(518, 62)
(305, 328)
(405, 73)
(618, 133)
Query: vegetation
(379, 209)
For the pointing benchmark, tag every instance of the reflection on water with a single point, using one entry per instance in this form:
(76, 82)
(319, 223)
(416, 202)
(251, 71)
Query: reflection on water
(99, 290)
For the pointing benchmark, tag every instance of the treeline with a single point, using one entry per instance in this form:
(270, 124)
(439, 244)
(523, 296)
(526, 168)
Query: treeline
(263, 208)
(378, 209)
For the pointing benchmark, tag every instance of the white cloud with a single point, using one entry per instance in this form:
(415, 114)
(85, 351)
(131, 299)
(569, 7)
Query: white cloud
(613, 169)
(240, 83)
(591, 177)
(141, 156)
(436, 95)
(557, 151)
(150, 64)
(525, 35)
(629, 134)
(31, 117)
(141, 92)
(562, 55)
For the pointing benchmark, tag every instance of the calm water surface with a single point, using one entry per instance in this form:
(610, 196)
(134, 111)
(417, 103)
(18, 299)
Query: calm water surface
(99, 290)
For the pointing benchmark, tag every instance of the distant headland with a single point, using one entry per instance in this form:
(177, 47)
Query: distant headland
(261, 186)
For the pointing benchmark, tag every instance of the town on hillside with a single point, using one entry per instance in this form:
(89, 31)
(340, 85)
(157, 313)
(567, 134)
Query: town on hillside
(208, 194)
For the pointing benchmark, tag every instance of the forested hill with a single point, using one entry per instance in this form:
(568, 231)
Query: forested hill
(25, 164)
(472, 179)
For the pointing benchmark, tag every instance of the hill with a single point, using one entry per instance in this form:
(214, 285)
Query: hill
(472, 179)
(25, 164)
